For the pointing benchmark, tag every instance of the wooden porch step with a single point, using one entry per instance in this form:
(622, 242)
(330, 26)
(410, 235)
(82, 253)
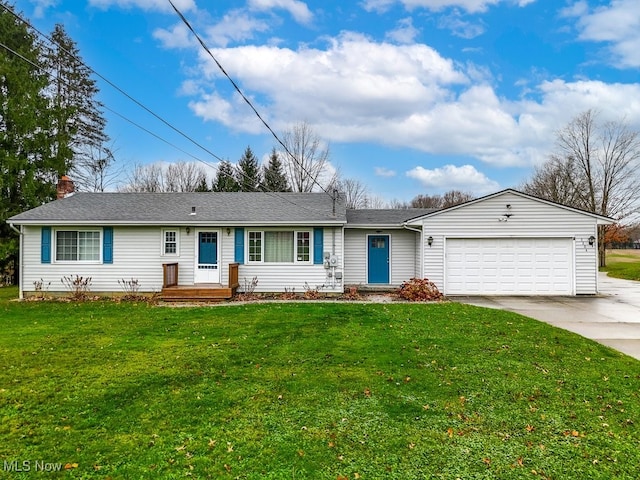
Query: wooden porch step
(200, 293)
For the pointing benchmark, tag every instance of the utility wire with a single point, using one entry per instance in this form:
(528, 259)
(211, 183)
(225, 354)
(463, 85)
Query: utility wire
(42, 68)
(113, 85)
(237, 88)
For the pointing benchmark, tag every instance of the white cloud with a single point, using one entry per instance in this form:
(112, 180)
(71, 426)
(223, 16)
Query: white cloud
(384, 172)
(450, 177)
(471, 6)
(40, 7)
(405, 32)
(408, 96)
(297, 9)
(459, 27)
(176, 37)
(235, 26)
(617, 24)
(150, 5)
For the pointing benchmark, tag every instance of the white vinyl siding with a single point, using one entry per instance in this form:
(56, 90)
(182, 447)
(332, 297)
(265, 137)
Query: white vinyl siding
(280, 277)
(529, 219)
(137, 254)
(402, 255)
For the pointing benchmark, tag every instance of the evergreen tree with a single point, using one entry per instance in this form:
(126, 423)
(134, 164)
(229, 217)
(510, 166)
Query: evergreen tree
(248, 172)
(79, 122)
(225, 180)
(202, 186)
(274, 178)
(28, 171)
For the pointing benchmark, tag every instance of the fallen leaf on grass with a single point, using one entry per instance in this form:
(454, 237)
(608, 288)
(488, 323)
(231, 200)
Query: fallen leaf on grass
(69, 466)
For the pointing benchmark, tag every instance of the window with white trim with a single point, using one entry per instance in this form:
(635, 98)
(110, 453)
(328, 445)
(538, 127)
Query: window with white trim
(282, 246)
(78, 245)
(170, 242)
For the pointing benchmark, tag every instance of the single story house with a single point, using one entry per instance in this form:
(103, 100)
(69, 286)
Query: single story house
(506, 243)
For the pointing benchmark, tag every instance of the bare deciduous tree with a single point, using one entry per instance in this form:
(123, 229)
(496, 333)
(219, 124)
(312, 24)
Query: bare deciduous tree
(308, 170)
(176, 177)
(94, 169)
(184, 177)
(595, 168)
(354, 193)
(448, 199)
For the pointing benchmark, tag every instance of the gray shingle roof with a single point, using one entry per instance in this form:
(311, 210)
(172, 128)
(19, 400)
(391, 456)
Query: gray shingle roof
(391, 216)
(175, 208)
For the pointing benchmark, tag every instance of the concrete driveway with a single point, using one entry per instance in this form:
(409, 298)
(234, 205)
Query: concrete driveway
(611, 318)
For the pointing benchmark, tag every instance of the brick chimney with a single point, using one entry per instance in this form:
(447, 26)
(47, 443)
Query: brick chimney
(65, 187)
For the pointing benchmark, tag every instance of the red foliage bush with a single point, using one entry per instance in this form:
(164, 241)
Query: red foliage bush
(419, 290)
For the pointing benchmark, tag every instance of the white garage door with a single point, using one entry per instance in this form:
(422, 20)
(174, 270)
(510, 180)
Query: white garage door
(509, 266)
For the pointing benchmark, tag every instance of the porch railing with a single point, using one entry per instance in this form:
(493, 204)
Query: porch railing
(233, 275)
(169, 275)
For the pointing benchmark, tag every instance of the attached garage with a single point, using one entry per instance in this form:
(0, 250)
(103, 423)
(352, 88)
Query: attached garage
(509, 266)
(511, 243)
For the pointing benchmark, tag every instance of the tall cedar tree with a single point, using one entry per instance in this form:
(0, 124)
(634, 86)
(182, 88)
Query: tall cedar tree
(79, 124)
(248, 172)
(28, 171)
(273, 177)
(225, 180)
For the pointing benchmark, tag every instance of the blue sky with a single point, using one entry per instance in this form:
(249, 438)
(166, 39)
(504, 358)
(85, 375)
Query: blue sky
(412, 96)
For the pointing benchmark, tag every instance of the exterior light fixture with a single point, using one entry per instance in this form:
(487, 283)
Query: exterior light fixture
(188, 230)
(592, 240)
(430, 240)
(228, 231)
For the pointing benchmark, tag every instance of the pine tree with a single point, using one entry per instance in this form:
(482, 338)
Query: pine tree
(225, 180)
(80, 123)
(248, 172)
(28, 171)
(274, 178)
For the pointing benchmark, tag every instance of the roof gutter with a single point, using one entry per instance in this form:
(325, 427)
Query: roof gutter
(407, 227)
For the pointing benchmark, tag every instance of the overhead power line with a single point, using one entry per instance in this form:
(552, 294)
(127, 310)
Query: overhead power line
(43, 69)
(116, 87)
(244, 97)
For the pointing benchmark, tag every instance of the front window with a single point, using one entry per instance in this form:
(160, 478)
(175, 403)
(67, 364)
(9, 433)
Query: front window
(303, 246)
(280, 246)
(77, 246)
(170, 242)
(255, 246)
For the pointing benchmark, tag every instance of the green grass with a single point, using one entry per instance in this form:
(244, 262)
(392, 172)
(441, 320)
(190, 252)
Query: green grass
(623, 264)
(310, 391)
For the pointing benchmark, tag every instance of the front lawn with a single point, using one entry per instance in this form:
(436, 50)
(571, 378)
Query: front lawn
(310, 390)
(623, 264)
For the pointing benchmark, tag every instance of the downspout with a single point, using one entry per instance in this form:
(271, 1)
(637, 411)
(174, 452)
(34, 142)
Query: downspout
(20, 263)
(421, 232)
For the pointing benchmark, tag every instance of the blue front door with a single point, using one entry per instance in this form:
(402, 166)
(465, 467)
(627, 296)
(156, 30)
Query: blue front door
(378, 259)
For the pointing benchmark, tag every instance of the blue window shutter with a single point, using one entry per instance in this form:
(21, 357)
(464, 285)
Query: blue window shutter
(107, 245)
(45, 245)
(318, 245)
(239, 245)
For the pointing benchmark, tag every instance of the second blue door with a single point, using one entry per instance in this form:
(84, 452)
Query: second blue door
(378, 259)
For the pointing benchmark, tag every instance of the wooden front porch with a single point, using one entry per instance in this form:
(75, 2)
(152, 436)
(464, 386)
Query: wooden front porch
(201, 292)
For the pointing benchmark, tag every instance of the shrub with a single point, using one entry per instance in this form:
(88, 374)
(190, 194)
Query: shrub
(419, 290)
(78, 286)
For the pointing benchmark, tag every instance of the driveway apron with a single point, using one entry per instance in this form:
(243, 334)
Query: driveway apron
(611, 318)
